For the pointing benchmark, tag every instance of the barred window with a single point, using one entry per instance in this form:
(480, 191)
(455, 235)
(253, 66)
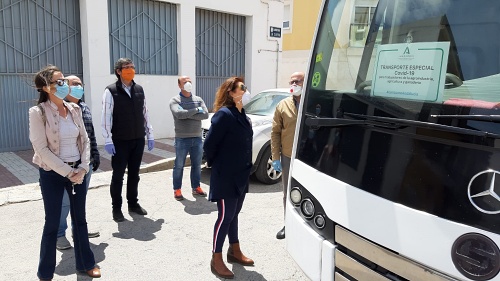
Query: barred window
(146, 32)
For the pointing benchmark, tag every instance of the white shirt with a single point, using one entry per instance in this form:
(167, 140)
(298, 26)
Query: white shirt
(68, 134)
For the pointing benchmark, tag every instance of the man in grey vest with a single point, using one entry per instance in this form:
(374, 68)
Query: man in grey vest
(188, 111)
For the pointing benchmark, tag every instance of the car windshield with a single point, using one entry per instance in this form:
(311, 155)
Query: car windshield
(264, 103)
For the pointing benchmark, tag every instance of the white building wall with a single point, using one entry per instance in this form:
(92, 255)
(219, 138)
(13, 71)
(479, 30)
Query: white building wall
(262, 55)
(292, 61)
(298, 60)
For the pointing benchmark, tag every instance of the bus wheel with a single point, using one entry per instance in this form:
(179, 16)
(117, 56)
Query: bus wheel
(265, 172)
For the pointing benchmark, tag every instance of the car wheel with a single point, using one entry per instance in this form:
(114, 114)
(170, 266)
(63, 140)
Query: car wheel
(265, 172)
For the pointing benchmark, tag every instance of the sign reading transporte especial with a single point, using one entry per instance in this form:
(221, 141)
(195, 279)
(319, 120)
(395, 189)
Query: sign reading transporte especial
(414, 71)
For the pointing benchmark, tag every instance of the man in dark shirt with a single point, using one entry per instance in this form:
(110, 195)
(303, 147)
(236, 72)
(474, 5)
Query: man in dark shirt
(75, 96)
(125, 122)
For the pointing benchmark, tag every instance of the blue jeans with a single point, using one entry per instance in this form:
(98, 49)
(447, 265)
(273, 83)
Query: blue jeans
(194, 147)
(63, 225)
(52, 186)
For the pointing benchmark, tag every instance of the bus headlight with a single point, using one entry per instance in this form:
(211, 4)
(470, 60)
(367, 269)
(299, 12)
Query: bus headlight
(295, 196)
(307, 208)
(319, 221)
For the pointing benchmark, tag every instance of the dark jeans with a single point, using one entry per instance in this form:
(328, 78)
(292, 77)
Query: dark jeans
(52, 186)
(128, 154)
(63, 224)
(227, 222)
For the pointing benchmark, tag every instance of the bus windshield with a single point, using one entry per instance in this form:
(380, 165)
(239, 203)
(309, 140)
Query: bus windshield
(406, 106)
(416, 52)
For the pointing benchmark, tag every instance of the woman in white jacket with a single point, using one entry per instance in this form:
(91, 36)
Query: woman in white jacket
(61, 147)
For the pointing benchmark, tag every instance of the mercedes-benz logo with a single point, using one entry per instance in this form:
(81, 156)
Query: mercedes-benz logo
(487, 197)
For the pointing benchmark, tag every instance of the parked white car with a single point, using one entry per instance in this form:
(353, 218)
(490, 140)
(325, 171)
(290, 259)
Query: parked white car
(260, 109)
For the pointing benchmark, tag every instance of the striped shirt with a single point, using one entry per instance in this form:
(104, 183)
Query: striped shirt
(89, 127)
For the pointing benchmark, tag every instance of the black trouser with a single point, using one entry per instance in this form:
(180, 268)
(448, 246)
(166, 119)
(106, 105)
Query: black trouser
(227, 222)
(128, 153)
(285, 167)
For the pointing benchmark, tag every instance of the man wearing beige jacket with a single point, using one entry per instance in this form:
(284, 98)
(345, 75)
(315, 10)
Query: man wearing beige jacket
(283, 132)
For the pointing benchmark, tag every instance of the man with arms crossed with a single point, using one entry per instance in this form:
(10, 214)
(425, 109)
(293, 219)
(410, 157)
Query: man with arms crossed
(188, 111)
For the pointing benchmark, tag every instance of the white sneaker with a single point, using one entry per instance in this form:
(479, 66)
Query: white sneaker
(63, 243)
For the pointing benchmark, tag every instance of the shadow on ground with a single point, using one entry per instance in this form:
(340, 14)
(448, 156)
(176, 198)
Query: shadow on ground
(67, 267)
(255, 185)
(199, 206)
(140, 228)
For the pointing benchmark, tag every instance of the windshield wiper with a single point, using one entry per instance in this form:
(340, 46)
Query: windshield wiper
(391, 123)
(487, 118)
(316, 122)
(333, 122)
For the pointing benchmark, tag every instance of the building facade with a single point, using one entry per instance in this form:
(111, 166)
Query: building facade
(206, 40)
(300, 18)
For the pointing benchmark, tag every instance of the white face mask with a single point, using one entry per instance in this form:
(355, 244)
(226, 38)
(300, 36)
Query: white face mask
(188, 87)
(245, 98)
(296, 90)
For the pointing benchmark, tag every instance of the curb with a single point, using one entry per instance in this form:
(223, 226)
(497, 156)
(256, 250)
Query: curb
(31, 192)
(161, 165)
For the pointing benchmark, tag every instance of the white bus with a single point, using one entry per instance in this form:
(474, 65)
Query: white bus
(397, 149)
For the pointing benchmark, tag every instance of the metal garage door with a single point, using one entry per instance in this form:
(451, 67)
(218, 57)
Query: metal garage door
(220, 51)
(33, 33)
(146, 32)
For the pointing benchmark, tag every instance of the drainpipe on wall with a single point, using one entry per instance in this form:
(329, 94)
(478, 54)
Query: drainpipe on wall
(277, 42)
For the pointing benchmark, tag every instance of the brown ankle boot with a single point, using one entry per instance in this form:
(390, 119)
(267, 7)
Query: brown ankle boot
(219, 268)
(234, 254)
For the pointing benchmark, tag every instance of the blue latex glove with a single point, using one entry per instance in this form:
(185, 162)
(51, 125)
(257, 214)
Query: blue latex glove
(151, 144)
(277, 165)
(200, 109)
(110, 148)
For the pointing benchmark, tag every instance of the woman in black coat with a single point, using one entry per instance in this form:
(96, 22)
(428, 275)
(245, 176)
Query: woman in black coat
(228, 149)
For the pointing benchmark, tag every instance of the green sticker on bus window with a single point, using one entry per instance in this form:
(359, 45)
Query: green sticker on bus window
(316, 79)
(319, 57)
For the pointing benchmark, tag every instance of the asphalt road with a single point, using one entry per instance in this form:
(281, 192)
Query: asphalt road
(173, 242)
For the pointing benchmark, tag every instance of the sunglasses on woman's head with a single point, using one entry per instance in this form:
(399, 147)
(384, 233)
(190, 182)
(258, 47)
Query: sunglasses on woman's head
(243, 87)
(60, 82)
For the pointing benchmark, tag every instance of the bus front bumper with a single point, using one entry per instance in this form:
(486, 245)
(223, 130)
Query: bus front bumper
(312, 253)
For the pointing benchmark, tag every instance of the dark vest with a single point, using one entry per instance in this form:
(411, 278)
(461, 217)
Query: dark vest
(128, 115)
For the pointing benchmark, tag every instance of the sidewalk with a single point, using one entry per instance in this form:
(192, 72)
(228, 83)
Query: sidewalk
(16, 168)
(173, 242)
(31, 191)
(160, 158)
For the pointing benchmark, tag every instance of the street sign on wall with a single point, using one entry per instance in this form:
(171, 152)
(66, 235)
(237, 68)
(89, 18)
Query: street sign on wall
(275, 31)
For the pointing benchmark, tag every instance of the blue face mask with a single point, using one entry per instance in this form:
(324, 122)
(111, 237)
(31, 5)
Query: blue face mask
(76, 92)
(62, 91)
